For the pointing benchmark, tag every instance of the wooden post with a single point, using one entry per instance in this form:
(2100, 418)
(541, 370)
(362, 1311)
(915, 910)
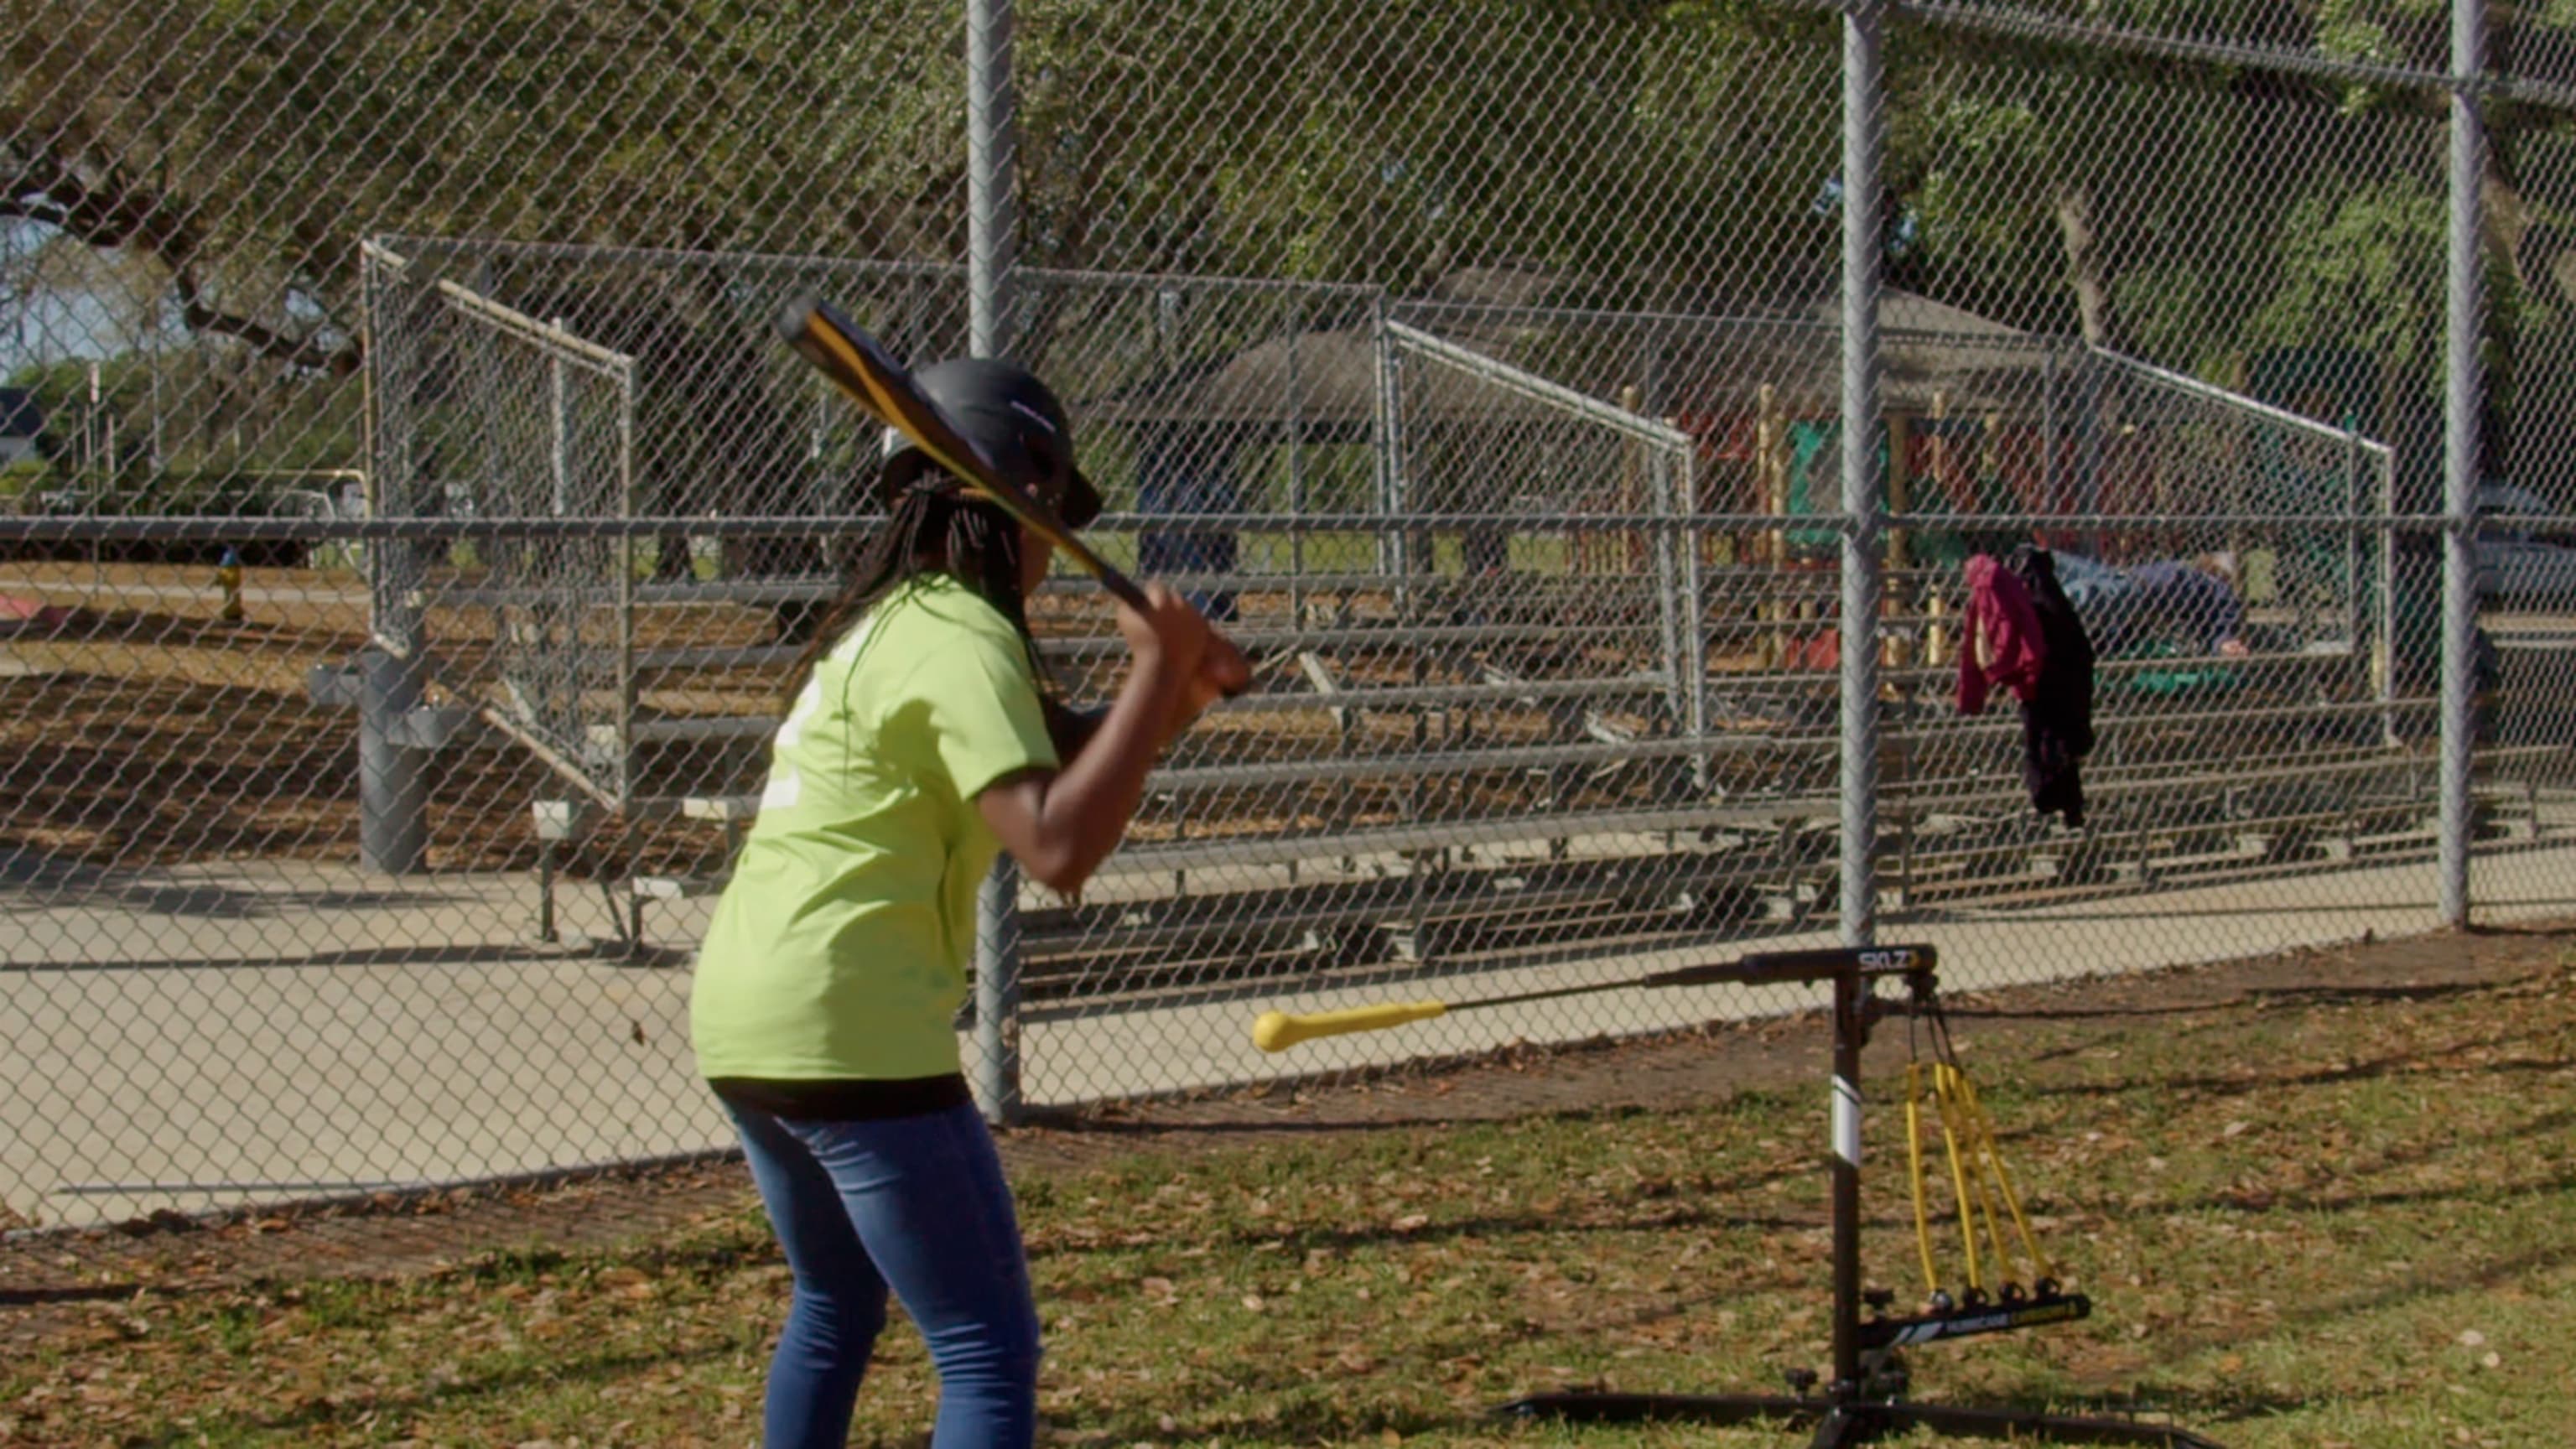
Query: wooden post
(1990, 458)
(1900, 487)
(1771, 469)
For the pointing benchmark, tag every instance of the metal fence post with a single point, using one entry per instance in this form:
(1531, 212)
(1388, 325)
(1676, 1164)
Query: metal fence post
(1862, 500)
(992, 179)
(2461, 448)
(393, 798)
(997, 992)
(992, 253)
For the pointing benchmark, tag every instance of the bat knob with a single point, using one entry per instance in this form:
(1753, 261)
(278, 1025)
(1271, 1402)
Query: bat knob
(1270, 1031)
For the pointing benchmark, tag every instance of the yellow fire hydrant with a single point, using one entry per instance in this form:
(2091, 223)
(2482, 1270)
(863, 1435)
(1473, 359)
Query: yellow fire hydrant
(228, 577)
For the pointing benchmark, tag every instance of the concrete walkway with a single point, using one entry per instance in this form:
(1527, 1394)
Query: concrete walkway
(367, 1033)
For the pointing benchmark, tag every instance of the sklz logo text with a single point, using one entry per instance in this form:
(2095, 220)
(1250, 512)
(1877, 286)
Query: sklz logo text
(1884, 960)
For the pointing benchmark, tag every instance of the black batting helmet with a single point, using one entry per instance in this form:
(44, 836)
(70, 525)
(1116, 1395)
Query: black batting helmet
(1003, 409)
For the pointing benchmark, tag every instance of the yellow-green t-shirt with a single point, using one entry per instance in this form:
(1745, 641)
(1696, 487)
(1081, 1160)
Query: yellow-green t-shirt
(839, 949)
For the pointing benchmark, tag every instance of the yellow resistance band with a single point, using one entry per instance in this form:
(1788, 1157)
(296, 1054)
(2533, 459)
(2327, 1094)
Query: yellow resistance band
(1914, 1165)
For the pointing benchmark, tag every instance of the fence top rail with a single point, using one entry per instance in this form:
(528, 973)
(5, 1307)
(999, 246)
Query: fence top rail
(1497, 373)
(403, 248)
(498, 247)
(1823, 329)
(2184, 382)
(571, 346)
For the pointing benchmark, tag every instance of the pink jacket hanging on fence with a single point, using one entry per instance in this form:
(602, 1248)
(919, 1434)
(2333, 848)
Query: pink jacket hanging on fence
(2000, 644)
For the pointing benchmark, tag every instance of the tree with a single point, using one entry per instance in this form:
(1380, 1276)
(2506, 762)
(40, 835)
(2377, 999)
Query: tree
(245, 146)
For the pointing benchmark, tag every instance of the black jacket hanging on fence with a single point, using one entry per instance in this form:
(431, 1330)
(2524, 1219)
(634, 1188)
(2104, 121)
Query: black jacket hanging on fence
(2057, 719)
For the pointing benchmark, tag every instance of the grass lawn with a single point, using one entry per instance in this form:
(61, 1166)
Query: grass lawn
(2330, 1218)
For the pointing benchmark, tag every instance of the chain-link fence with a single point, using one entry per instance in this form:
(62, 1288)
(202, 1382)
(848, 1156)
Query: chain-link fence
(411, 519)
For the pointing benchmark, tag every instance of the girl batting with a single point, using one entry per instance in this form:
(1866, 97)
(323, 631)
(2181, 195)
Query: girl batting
(918, 745)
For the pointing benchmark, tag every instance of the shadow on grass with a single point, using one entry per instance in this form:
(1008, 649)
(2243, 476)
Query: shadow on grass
(1313, 1421)
(2318, 995)
(74, 1293)
(2324, 994)
(2184, 1406)
(1307, 1422)
(1085, 1121)
(2429, 1282)
(1475, 1229)
(2408, 1062)
(2539, 931)
(1472, 1229)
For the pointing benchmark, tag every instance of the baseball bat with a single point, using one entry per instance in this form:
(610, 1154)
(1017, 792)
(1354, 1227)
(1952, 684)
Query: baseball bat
(1274, 1031)
(869, 375)
(862, 368)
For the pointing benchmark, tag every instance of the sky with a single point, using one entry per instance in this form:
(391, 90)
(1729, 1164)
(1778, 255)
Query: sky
(51, 325)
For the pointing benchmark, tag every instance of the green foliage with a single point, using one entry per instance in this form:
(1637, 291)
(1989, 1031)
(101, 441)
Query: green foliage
(67, 387)
(29, 476)
(2360, 267)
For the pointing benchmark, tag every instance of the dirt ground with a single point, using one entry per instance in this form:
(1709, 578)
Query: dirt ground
(47, 1280)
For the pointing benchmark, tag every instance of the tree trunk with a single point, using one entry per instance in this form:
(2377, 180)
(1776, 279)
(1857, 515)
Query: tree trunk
(2074, 203)
(2099, 423)
(2507, 222)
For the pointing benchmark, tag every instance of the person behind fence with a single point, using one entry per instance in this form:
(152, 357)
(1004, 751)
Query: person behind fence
(823, 1007)
(2190, 602)
(1184, 470)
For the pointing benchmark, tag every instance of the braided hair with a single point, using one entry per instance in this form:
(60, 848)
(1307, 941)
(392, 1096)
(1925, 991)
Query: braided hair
(934, 530)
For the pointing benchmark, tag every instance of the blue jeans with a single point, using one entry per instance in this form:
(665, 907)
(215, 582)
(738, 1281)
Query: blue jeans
(2088, 582)
(917, 1205)
(2103, 597)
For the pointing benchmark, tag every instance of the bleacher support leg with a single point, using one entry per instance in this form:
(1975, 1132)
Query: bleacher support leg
(393, 796)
